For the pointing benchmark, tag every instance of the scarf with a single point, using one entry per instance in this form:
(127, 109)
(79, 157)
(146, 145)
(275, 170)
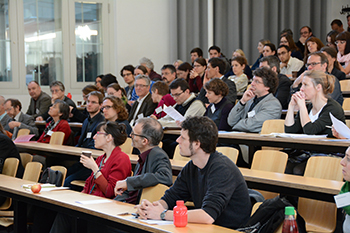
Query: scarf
(344, 59)
(345, 189)
(51, 126)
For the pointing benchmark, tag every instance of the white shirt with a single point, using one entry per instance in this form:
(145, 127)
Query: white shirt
(137, 109)
(294, 64)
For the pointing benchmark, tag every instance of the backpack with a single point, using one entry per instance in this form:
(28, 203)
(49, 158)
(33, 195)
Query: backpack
(268, 217)
(52, 177)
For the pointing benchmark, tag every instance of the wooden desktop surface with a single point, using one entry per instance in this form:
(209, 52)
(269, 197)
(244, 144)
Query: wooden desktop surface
(65, 201)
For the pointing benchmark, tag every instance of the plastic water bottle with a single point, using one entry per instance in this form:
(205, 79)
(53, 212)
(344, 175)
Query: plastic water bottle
(180, 214)
(289, 224)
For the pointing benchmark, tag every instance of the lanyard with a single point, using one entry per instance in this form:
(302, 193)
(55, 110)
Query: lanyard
(99, 168)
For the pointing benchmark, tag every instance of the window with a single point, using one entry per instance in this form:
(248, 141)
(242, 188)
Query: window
(5, 43)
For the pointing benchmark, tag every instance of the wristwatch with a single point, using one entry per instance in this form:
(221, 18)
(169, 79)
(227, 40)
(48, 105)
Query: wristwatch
(162, 215)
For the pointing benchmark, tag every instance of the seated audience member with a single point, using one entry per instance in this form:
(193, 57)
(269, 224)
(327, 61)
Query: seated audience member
(196, 53)
(331, 39)
(345, 163)
(305, 33)
(318, 61)
(283, 90)
(108, 79)
(183, 71)
(288, 63)
(76, 114)
(168, 73)
(288, 41)
(88, 131)
(148, 64)
(257, 103)
(57, 90)
(312, 118)
(153, 166)
(59, 112)
(337, 25)
(177, 63)
(139, 70)
(143, 106)
(215, 51)
(260, 48)
(186, 104)
(218, 199)
(127, 72)
(160, 95)
(286, 31)
(219, 106)
(4, 118)
(312, 45)
(216, 69)
(114, 109)
(2, 130)
(343, 57)
(20, 120)
(197, 75)
(39, 101)
(109, 168)
(247, 70)
(269, 50)
(116, 90)
(98, 83)
(239, 77)
(333, 64)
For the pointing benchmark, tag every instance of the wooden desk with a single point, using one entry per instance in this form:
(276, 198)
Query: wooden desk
(64, 201)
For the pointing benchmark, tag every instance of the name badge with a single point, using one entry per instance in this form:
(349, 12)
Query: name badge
(159, 110)
(140, 116)
(251, 113)
(50, 132)
(212, 108)
(37, 111)
(88, 135)
(342, 200)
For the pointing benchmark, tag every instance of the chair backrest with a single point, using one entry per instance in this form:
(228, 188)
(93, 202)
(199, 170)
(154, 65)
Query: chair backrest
(177, 155)
(230, 152)
(347, 122)
(25, 158)
(272, 126)
(270, 160)
(32, 171)
(57, 138)
(62, 169)
(346, 104)
(324, 167)
(345, 85)
(153, 193)
(23, 132)
(127, 146)
(10, 167)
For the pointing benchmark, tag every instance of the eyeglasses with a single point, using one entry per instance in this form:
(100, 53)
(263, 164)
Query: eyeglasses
(132, 134)
(340, 42)
(313, 64)
(283, 42)
(9, 109)
(55, 91)
(140, 85)
(106, 107)
(101, 133)
(176, 95)
(128, 74)
(257, 81)
(282, 53)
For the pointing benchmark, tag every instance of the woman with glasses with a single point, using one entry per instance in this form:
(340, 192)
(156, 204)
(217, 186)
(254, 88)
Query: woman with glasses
(197, 74)
(313, 105)
(288, 40)
(114, 110)
(343, 56)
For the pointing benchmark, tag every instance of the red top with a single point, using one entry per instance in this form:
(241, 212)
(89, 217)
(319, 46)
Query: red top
(196, 84)
(62, 126)
(117, 167)
(168, 100)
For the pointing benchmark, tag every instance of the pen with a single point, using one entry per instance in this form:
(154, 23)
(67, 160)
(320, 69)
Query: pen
(329, 127)
(135, 215)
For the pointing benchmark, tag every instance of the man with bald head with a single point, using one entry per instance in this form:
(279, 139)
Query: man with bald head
(40, 101)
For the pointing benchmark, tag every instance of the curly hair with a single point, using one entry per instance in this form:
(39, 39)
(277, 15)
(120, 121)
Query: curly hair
(119, 107)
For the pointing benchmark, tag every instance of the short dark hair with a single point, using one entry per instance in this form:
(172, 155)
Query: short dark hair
(161, 87)
(214, 47)
(170, 67)
(201, 61)
(152, 130)
(284, 46)
(308, 28)
(57, 83)
(286, 31)
(269, 78)
(179, 82)
(15, 103)
(142, 68)
(241, 60)
(217, 86)
(98, 95)
(337, 22)
(185, 66)
(345, 36)
(217, 62)
(117, 130)
(119, 107)
(323, 57)
(271, 46)
(117, 87)
(130, 68)
(197, 50)
(272, 61)
(64, 109)
(203, 130)
(108, 79)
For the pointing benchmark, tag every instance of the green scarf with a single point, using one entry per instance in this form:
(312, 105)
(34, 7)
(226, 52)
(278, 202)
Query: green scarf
(345, 189)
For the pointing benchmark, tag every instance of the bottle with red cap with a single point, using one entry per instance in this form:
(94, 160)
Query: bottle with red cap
(69, 95)
(180, 214)
(289, 224)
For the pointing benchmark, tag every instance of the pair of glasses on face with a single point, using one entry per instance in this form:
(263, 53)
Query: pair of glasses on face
(176, 95)
(312, 64)
(340, 42)
(132, 134)
(101, 133)
(107, 107)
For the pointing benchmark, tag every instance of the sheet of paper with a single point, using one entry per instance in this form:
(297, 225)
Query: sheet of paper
(294, 135)
(342, 200)
(24, 138)
(340, 127)
(228, 132)
(94, 202)
(157, 222)
(173, 113)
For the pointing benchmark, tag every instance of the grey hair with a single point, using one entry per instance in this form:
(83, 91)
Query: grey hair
(152, 130)
(144, 77)
(2, 99)
(57, 83)
(272, 61)
(147, 62)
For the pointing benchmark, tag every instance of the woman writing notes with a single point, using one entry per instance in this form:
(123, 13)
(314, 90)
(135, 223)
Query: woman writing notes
(313, 117)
